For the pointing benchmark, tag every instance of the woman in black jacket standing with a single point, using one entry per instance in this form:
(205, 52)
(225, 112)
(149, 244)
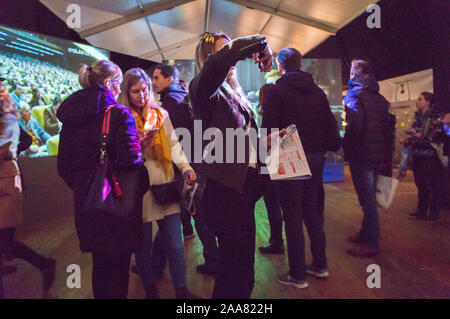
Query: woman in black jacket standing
(232, 189)
(110, 240)
(426, 138)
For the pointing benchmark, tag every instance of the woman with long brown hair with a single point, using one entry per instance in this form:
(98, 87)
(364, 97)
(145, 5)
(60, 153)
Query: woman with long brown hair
(161, 149)
(232, 189)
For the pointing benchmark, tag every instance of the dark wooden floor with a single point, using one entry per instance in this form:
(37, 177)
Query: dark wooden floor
(414, 262)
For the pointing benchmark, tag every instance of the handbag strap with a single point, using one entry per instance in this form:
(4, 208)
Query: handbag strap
(105, 133)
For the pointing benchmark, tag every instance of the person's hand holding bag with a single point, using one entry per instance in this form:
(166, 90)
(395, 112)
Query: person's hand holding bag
(190, 177)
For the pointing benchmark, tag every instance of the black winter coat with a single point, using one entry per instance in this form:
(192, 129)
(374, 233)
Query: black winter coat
(368, 134)
(212, 104)
(175, 101)
(296, 99)
(79, 152)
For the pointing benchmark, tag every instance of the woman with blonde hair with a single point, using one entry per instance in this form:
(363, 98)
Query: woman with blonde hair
(160, 148)
(110, 239)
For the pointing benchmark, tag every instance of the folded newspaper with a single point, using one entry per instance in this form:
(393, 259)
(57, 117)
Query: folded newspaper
(286, 159)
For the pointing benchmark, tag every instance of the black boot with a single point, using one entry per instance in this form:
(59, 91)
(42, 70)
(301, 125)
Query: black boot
(272, 248)
(151, 292)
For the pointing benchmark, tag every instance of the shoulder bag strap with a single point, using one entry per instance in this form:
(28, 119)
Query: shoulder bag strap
(105, 133)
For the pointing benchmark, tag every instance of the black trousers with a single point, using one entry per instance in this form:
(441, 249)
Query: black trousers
(231, 217)
(299, 201)
(274, 214)
(186, 221)
(429, 176)
(110, 275)
(16, 249)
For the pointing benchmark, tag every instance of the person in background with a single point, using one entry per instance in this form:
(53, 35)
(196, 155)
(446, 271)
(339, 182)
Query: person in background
(161, 149)
(110, 240)
(367, 141)
(52, 125)
(175, 100)
(11, 198)
(232, 189)
(427, 139)
(36, 99)
(17, 96)
(40, 137)
(296, 99)
(4, 94)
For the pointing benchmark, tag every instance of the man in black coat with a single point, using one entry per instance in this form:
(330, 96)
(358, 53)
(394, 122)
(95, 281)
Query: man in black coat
(296, 99)
(367, 142)
(175, 100)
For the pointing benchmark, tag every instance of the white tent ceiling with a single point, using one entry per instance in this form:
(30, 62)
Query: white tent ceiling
(169, 29)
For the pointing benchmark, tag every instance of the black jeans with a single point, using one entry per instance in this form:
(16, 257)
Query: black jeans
(110, 275)
(429, 178)
(207, 237)
(231, 216)
(299, 200)
(365, 177)
(274, 214)
(186, 222)
(16, 249)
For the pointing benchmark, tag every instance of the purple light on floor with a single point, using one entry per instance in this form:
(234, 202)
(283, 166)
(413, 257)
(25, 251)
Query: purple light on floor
(106, 189)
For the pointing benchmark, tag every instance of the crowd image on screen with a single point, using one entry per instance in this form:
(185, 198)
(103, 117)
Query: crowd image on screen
(37, 88)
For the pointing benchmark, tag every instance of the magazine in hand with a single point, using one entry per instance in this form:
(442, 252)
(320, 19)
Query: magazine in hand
(287, 159)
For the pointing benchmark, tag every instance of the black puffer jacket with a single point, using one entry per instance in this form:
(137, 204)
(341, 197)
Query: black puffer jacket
(79, 153)
(175, 101)
(368, 134)
(296, 99)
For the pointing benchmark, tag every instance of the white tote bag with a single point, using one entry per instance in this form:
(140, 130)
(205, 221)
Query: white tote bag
(386, 187)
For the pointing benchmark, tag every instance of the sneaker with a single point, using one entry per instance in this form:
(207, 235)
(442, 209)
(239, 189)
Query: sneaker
(272, 249)
(189, 236)
(321, 273)
(288, 280)
(207, 270)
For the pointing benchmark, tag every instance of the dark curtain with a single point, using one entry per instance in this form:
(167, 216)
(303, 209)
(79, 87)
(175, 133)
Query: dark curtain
(414, 36)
